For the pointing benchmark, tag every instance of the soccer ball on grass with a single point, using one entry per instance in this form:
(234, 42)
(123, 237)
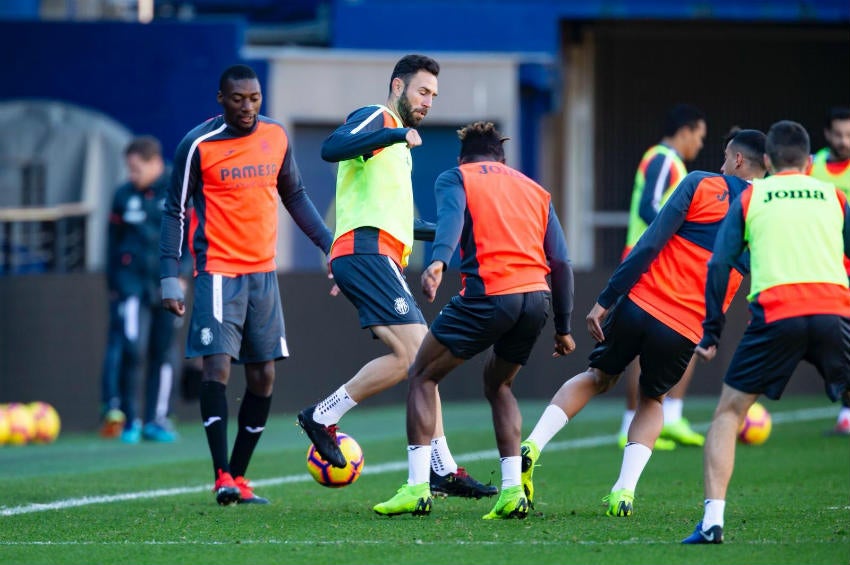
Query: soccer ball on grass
(334, 477)
(755, 429)
(47, 422)
(21, 424)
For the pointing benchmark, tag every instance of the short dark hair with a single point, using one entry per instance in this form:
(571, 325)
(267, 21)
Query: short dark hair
(235, 72)
(680, 116)
(409, 65)
(145, 146)
(750, 143)
(836, 113)
(481, 139)
(787, 144)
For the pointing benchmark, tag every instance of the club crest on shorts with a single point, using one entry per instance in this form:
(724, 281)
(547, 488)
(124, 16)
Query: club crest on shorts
(401, 306)
(206, 336)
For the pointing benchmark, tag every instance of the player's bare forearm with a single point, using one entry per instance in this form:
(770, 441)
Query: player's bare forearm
(432, 277)
(706, 354)
(594, 321)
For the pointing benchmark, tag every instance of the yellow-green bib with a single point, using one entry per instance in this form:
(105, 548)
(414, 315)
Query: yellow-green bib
(793, 227)
(377, 192)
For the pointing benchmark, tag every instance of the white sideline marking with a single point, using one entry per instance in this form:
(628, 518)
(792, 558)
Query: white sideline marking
(418, 542)
(595, 441)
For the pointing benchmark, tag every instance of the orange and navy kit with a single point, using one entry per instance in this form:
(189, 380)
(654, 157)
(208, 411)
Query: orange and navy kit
(665, 272)
(234, 181)
(510, 236)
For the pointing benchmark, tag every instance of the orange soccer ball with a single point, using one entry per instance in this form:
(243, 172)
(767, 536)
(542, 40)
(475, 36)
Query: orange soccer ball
(333, 477)
(755, 429)
(21, 424)
(46, 422)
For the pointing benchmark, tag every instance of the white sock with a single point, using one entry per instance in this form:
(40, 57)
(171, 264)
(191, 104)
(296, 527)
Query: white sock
(511, 471)
(441, 458)
(714, 509)
(418, 468)
(672, 409)
(635, 458)
(843, 415)
(333, 408)
(628, 416)
(549, 424)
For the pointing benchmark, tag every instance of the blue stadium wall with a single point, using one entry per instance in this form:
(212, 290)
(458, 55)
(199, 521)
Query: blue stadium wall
(159, 79)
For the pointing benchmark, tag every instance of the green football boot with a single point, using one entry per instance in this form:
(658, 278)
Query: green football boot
(512, 503)
(620, 502)
(530, 454)
(680, 431)
(410, 499)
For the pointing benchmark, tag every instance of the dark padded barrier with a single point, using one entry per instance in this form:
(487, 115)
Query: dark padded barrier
(53, 330)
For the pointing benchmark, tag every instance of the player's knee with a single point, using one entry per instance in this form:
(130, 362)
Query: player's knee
(603, 381)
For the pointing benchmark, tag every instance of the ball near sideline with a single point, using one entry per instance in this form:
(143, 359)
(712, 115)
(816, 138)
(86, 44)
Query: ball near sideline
(21, 424)
(333, 477)
(755, 429)
(47, 422)
(4, 425)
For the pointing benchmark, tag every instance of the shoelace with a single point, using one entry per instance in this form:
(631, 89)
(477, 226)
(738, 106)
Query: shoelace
(332, 430)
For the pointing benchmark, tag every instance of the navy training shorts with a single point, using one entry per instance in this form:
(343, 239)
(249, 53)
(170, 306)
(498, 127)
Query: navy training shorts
(630, 331)
(768, 354)
(377, 288)
(240, 316)
(511, 323)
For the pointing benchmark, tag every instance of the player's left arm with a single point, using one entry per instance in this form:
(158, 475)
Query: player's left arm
(290, 186)
(563, 283)
(656, 236)
(728, 247)
(451, 204)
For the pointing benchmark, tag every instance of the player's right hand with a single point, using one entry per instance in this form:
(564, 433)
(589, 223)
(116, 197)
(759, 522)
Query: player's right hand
(564, 345)
(173, 306)
(706, 353)
(594, 321)
(431, 279)
(334, 289)
(413, 138)
(173, 298)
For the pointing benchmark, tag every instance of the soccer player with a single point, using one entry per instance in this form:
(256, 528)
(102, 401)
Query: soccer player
(832, 164)
(374, 235)
(661, 169)
(142, 337)
(653, 307)
(236, 168)
(510, 239)
(797, 230)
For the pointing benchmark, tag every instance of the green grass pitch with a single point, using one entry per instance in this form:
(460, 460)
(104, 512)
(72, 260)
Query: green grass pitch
(88, 500)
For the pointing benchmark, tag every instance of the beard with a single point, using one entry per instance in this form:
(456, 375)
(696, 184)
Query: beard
(405, 112)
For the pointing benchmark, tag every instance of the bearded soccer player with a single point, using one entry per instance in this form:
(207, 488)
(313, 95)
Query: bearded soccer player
(372, 243)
